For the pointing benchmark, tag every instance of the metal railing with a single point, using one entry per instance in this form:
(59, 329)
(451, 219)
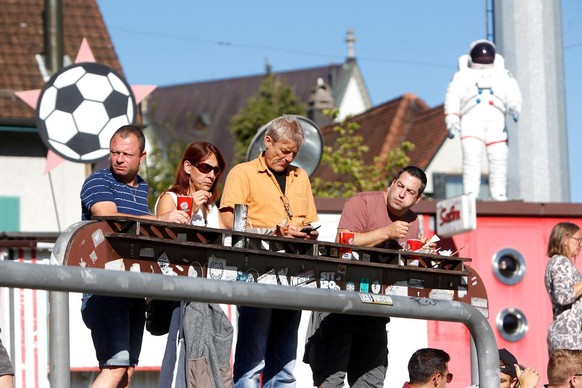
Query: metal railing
(133, 284)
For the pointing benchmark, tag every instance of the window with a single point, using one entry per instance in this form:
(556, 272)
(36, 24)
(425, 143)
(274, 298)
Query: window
(9, 214)
(451, 185)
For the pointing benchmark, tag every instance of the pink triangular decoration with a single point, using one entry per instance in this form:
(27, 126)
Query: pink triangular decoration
(142, 91)
(30, 97)
(84, 54)
(52, 161)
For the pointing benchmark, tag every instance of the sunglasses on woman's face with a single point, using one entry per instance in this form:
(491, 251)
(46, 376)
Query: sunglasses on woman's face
(205, 168)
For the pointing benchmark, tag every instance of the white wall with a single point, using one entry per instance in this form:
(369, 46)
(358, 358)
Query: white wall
(24, 177)
(352, 103)
(449, 160)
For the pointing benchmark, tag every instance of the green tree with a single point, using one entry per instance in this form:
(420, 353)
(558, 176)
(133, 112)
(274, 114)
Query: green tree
(274, 98)
(163, 157)
(346, 159)
(160, 165)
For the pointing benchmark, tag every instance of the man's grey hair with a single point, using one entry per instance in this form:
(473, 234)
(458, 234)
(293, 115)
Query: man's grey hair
(286, 127)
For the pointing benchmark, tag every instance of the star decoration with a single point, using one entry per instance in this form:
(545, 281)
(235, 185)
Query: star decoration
(30, 97)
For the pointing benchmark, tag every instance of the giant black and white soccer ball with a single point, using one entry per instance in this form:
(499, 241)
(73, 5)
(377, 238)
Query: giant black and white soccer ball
(81, 107)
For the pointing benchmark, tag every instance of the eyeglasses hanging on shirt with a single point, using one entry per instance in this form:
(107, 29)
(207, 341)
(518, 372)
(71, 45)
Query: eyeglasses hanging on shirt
(287, 206)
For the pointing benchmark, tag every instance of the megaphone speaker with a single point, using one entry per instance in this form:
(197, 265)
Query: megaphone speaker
(309, 154)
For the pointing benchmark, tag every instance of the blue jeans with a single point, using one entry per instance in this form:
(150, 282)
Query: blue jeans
(267, 344)
(116, 326)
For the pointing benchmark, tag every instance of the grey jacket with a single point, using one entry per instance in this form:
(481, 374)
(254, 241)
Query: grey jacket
(198, 348)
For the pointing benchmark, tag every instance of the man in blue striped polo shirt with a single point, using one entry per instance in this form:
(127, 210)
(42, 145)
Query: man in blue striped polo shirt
(117, 323)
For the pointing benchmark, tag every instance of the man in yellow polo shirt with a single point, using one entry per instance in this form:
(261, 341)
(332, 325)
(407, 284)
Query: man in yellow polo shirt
(275, 193)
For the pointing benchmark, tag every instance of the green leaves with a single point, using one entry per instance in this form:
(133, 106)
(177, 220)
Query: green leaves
(161, 164)
(274, 98)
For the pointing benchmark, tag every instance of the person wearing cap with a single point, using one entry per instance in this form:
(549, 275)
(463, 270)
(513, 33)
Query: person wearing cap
(428, 368)
(511, 375)
(478, 97)
(565, 369)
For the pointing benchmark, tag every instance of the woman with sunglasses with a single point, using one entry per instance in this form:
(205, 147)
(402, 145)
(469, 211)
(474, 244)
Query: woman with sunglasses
(200, 334)
(564, 286)
(197, 176)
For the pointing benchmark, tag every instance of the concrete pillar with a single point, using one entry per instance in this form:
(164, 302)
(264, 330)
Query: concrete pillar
(528, 33)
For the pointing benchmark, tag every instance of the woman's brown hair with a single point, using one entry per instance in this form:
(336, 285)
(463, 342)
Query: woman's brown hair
(560, 231)
(197, 152)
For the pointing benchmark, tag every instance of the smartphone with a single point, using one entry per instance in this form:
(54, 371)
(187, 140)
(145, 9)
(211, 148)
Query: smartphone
(309, 229)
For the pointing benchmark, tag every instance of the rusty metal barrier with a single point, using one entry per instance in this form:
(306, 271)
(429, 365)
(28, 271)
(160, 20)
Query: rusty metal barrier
(133, 244)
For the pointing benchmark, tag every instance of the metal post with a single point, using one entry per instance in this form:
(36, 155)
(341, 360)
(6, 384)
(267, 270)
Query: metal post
(131, 284)
(53, 35)
(59, 358)
(474, 364)
(12, 329)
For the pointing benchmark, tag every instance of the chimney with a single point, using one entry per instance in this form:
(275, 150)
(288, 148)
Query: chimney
(351, 40)
(319, 100)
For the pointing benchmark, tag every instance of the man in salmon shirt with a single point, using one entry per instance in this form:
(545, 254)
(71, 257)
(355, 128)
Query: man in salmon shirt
(357, 345)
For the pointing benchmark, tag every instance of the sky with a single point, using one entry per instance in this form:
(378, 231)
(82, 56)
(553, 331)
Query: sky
(401, 45)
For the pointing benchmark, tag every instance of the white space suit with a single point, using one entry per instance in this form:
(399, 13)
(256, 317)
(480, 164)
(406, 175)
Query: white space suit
(477, 99)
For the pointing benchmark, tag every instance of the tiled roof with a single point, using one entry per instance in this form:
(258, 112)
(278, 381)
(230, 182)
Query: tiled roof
(385, 126)
(181, 108)
(428, 133)
(21, 29)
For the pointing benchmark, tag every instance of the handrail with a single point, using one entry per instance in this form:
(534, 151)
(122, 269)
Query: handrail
(130, 284)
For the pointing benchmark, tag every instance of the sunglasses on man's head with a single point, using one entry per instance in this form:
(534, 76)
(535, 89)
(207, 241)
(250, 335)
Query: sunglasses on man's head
(205, 168)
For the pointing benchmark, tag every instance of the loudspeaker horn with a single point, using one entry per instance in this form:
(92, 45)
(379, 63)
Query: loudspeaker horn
(309, 154)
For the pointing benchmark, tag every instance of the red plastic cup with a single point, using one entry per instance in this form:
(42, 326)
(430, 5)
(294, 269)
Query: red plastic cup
(185, 204)
(413, 244)
(346, 238)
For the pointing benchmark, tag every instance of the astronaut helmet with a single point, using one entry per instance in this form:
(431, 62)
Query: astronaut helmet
(482, 52)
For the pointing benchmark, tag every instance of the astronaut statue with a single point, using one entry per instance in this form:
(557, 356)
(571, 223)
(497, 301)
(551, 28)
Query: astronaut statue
(481, 92)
